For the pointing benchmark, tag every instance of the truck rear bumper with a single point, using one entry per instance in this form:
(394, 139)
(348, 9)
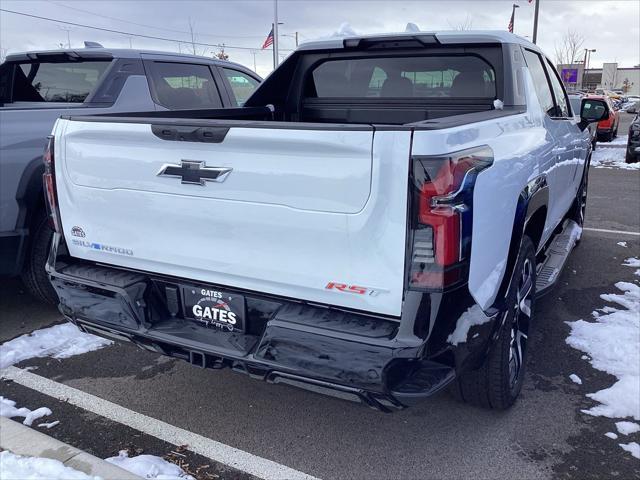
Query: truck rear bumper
(334, 352)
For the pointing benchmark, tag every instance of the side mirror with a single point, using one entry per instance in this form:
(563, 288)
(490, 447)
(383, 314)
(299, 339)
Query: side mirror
(591, 111)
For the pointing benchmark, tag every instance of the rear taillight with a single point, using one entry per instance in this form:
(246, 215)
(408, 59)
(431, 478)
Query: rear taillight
(443, 206)
(49, 181)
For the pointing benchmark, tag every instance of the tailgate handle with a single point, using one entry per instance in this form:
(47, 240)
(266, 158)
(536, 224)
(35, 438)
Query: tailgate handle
(190, 133)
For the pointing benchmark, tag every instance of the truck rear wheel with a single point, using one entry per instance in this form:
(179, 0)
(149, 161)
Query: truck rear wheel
(497, 383)
(33, 275)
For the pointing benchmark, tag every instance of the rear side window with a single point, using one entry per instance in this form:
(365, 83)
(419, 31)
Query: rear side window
(446, 76)
(558, 91)
(56, 82)
(184, 85)
(540, 82)
(242, 85)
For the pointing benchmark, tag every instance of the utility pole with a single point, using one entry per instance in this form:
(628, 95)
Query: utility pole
(587, 58)
(535, 21)
(276, 59)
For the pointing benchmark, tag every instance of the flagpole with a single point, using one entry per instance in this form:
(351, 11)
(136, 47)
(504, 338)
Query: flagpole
(535, 21)
(275, 34)
(513, 17)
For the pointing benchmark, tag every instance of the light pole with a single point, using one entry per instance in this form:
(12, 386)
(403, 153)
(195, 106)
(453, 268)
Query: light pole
(276, 59)
(587, 57)
(295, 35)
(67, 29)
(535, 21)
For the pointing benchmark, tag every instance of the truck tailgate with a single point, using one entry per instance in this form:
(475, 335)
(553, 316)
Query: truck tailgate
(292, 209)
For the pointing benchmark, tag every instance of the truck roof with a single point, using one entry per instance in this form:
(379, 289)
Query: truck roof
(96, 52)
(441, 37)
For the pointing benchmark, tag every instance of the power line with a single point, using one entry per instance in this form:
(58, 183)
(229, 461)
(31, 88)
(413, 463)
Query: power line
(147, 26)
(152, 37)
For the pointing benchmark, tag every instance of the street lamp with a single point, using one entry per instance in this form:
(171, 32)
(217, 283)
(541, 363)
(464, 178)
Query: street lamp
(587, 57)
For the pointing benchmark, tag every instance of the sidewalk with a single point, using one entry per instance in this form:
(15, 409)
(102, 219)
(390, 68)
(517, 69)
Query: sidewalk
(22, 440)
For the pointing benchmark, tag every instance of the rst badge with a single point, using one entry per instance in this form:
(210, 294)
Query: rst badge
(354, 289)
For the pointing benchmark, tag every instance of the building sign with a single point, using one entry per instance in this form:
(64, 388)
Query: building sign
(570, 75)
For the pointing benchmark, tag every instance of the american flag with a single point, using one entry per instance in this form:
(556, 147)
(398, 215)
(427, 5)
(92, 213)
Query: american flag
(511, 21)
(269, 40)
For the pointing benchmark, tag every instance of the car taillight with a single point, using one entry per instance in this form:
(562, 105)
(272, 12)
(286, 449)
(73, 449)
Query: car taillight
(49, 181)
(443, 206)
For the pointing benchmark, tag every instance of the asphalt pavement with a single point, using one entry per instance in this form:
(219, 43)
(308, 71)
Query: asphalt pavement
(543, 436)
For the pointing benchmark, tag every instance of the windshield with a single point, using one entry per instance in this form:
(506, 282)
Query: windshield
(69, 82)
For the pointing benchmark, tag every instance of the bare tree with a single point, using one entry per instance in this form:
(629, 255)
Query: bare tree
(467, 24)
(568, 51)
(193, 36)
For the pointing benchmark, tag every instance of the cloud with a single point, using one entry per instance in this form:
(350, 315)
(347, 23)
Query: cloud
(611, 27)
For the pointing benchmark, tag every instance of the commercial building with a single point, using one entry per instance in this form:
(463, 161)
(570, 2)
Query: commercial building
(609, 77)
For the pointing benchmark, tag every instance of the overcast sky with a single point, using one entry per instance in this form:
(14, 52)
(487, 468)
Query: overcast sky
(611, 27)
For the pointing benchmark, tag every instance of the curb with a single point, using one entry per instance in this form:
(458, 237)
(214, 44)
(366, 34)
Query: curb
(22, 440)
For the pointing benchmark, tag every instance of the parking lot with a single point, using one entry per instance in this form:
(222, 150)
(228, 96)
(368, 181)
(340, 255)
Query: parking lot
(544, 435)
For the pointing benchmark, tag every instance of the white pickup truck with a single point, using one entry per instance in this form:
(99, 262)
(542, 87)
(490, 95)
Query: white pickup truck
(374, 223)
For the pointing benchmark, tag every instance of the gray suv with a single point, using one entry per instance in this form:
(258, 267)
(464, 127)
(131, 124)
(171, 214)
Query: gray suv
(38, 87)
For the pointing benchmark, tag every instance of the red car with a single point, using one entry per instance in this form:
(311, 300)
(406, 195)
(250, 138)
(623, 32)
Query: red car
(607, 129)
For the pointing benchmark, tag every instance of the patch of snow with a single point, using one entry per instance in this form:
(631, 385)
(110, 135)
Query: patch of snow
(623, 244)
(633, 448)
(604, 157)
(149, 466)
(59, 341)
(625, 428)
(498, 104)
(17, 467)
(473, 316)
(632, 262)
(619, 140)
(8, 409)
(49, 425)
(613, 343)
(575, 379)
(611, 435)
(584, 357)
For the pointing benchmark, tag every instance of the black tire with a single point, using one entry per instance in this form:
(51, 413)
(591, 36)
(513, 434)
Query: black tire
(498, 382)
(33, 275)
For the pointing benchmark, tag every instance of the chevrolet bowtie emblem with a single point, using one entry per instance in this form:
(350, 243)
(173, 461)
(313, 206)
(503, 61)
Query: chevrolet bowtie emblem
(194, 172)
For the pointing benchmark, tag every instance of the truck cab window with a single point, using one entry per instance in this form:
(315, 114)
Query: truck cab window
(184, 85)
(562, 103)
(56, 82)
(242, 85)
(459, 76)
(540, 82)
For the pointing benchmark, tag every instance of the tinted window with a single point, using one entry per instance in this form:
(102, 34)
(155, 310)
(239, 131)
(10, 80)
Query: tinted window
(56, 82)
(184, 85)
(559, 93)
(540, 81)
(242, 85)
(463, 76)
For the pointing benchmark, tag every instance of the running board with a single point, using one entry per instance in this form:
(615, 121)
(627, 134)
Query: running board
(557, 254)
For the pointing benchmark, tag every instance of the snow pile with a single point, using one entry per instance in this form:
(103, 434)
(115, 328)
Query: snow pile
(626, 428)
(611, 158)
(611, 435)
(149, 466)
(59, 341)
(619, 140)
(623, 244)
(575, 379)
(8, 409)
(633, 262)
(613, 343)
(17, 467)
(633, 448)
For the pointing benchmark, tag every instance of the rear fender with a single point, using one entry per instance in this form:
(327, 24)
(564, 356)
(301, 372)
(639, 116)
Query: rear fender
(532, 202)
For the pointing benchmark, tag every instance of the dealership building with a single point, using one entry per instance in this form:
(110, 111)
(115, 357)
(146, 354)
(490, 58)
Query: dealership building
(609, 77)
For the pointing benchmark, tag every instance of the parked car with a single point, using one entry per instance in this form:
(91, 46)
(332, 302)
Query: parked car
(576, 105)
(37, 87)
(376, 222)
(633, 141)
(607, 129)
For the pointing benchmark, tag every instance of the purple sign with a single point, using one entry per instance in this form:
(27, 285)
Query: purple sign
(570, 75)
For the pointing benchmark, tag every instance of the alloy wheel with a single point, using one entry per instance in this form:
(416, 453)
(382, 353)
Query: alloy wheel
(520, 323)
